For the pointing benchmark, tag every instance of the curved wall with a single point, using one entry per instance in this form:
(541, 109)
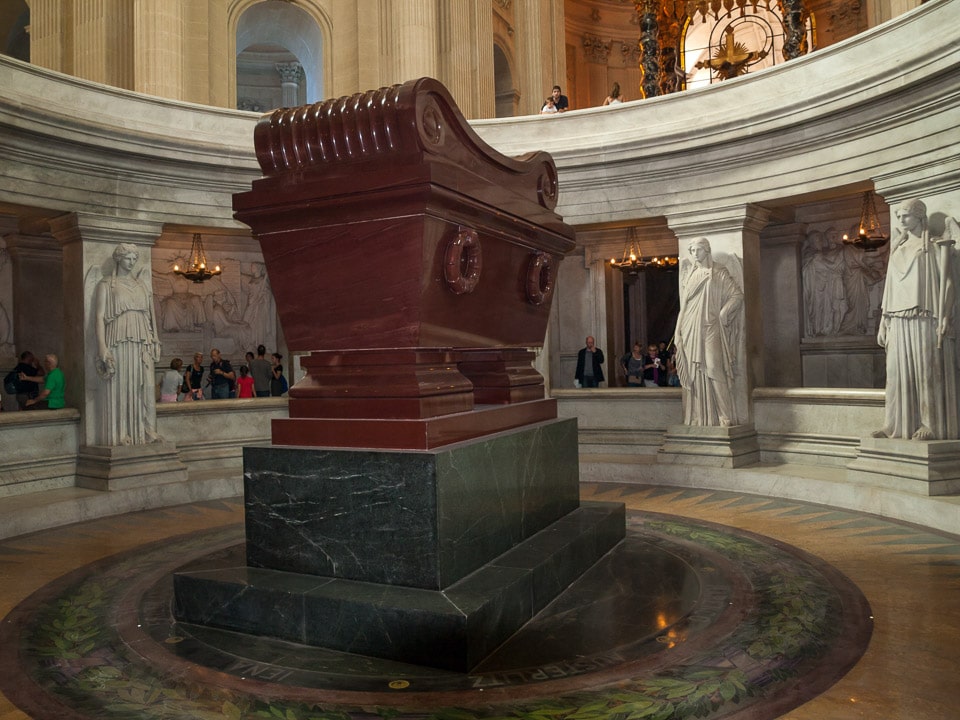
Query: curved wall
(881, 108)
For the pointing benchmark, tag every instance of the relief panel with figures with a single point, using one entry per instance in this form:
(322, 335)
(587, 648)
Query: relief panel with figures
(233, 311)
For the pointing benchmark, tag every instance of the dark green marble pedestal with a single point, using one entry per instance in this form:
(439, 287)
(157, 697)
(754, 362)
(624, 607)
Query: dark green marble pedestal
(430, 557)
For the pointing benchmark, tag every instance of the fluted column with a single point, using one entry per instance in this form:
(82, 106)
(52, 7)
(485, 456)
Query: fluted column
(415, 39)
(290, 74)
(90, 40)
(541, 52)
(466, 64)
(47, 35)
(158, 36)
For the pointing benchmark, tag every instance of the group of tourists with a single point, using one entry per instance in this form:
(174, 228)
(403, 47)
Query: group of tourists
(257, 377)
(36, 386)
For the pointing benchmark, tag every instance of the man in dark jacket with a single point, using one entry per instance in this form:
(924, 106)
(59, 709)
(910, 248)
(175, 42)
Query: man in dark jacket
(589, 373)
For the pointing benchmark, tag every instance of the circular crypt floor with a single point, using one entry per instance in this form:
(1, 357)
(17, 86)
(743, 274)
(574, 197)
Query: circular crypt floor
(686, 618)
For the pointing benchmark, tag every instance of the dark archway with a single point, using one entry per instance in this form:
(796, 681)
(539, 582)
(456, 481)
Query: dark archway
(506, 94)
(14, 21)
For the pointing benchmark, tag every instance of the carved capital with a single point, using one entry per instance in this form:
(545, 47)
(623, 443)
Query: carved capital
(290, 72)
(595, 49)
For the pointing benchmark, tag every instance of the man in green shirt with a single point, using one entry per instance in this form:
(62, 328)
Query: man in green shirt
(54, 386)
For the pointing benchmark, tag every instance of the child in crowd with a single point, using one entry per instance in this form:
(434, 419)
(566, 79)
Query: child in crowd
(244, 383)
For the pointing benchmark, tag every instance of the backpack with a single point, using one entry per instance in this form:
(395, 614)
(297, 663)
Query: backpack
(11, 383)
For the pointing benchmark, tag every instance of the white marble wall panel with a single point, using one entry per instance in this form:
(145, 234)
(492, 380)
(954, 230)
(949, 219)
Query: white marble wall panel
(39, 450)
(74, 146)
(842, 362)
(816, 427)
(210, 434)
(621, 420)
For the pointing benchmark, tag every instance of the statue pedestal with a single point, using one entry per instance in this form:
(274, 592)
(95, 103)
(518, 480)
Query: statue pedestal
(431, 557)
(726, 447)
(925, 468)
(129, 466)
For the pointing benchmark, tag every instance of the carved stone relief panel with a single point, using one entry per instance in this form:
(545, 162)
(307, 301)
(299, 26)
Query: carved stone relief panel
(233, 311)
(842, 284)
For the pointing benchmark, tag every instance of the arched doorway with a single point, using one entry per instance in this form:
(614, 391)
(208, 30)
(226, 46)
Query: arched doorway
(506, 94)
(279, 57)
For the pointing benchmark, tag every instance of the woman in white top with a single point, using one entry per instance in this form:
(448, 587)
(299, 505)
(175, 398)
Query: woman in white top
(614, 98)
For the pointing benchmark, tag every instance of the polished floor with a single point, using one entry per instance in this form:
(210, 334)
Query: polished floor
(904, 577)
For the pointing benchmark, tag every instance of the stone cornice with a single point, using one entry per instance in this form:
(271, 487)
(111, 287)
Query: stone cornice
(72, 145)
(880, 108)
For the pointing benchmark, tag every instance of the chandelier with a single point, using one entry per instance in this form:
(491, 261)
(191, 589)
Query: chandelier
(197, 270)
(632, 263)
(871, 234)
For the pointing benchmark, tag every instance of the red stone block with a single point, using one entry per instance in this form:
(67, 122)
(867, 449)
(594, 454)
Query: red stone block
(388, 227)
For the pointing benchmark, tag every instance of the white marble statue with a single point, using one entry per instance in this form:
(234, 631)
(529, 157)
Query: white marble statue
(918, 329)
(127, 348)
(709, 329)
(823, 294)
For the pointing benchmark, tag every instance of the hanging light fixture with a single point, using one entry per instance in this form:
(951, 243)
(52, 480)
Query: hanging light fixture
(197, 270)
(871, 234)
(632, 263)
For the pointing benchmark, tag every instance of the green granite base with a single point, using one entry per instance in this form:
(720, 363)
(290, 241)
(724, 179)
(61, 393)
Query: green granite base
(453, 629)
(431, 557)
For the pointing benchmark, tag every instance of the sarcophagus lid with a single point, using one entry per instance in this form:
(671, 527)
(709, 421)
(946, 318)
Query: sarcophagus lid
(386, 222)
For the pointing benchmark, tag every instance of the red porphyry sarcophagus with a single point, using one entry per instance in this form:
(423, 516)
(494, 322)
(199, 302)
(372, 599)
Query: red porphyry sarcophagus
(415, 263)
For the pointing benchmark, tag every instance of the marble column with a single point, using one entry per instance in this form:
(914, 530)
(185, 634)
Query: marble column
(596, 265)
(414, 39)
(718, 429)
(158, 58)
(781, 293)
(466, 64)
(540, 46)
(88, 242)
(290, 74)
(46, 35)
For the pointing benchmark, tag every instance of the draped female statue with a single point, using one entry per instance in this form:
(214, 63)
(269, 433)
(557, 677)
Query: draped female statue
(127, 348)
(918, 329)
(709, 328)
